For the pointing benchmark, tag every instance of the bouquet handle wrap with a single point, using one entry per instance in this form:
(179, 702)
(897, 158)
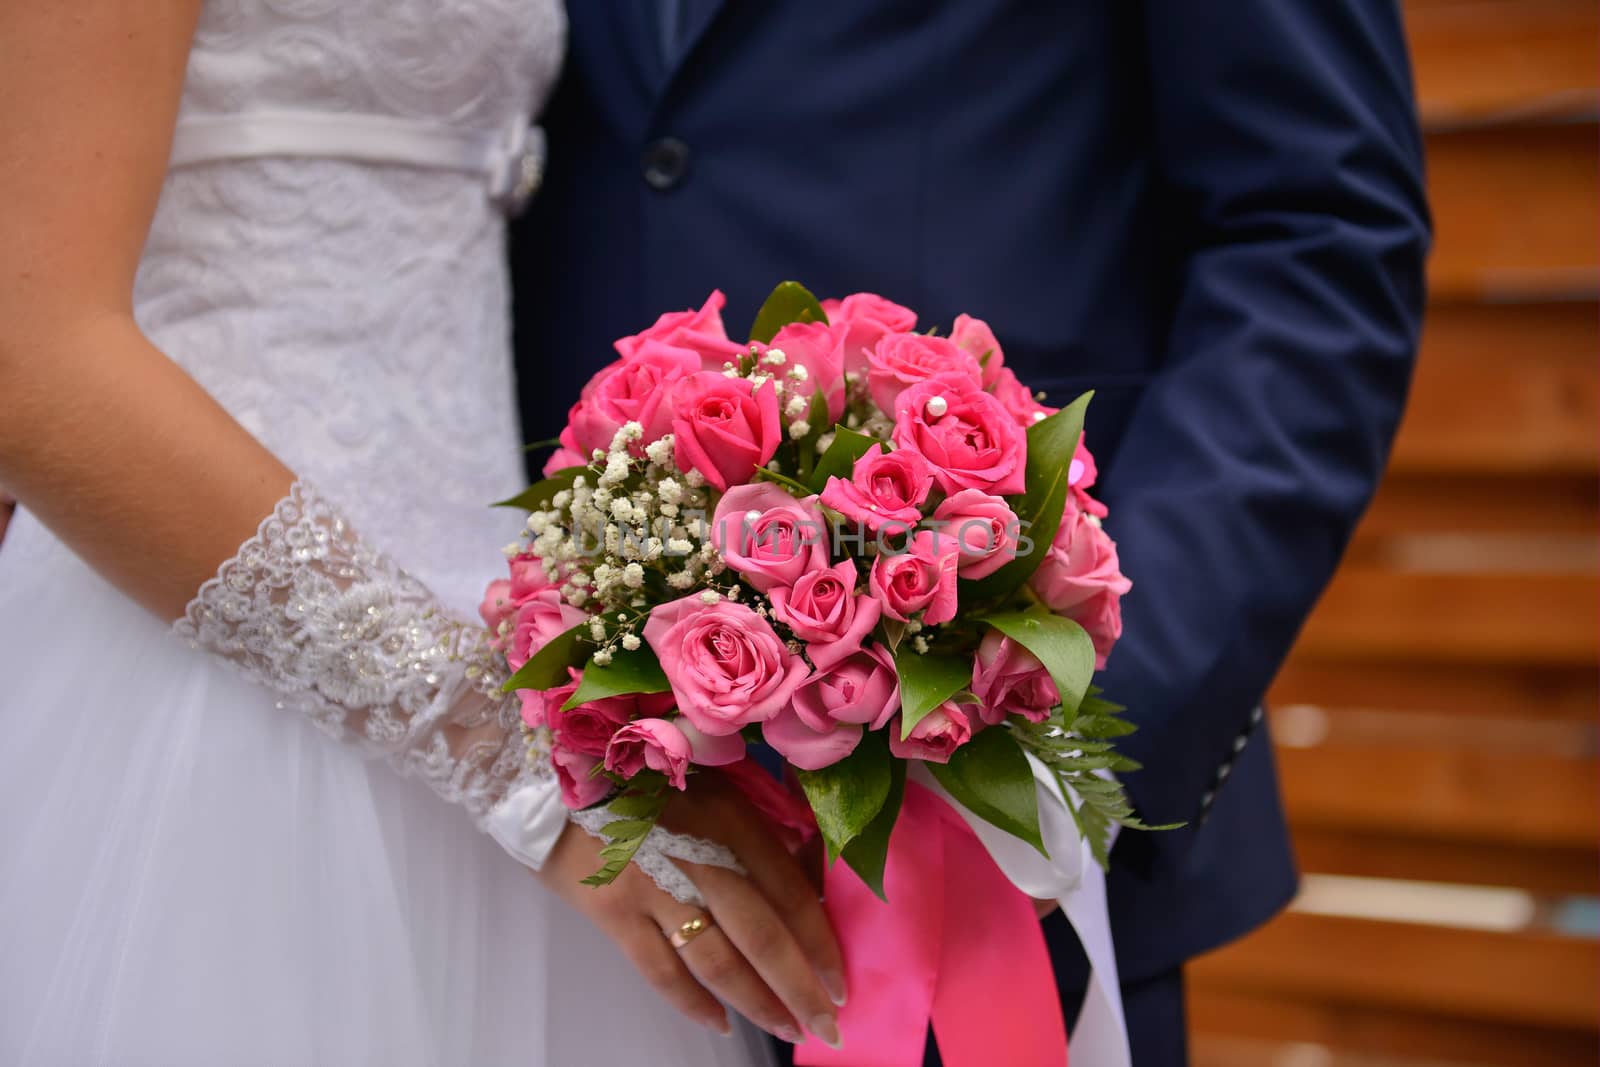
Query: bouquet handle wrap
(961, 926)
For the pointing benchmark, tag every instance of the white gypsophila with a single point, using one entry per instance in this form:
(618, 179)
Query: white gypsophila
(799, 373)
(799, 429)
(633, 576)
(796, 406)
(597, 629)
(630, 641)
(775, 357)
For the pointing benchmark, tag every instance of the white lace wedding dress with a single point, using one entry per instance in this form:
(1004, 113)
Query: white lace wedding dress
(189, 872)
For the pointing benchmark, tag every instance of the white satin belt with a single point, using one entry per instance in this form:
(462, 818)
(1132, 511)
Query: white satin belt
(1072, 878)
(528, 820)
(511, 159)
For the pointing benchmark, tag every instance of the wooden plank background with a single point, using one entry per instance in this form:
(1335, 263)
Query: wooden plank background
(1436, 722)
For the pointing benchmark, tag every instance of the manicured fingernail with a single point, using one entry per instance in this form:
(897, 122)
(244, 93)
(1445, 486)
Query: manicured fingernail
(833, 982)
(789, 1034)
(824, 1027)
(720, 1024)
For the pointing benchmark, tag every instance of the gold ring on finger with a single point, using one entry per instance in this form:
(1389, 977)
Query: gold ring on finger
(690, 930)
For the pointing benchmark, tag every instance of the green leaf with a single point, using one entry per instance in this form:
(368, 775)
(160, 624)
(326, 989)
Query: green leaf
(1051, 444)
(848, 795)
(837, 462)
(789, 302)
(868, 854)
(926, 681)
(548, 667)
(1059, 643)
(991, 777)
(799, 490)
(548, 442)
(625, 835)
(638, 671)
(537, 496)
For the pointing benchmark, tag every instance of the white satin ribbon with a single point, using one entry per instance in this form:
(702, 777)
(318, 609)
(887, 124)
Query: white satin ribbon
(528, 820)
(511, 159)
(1072, 878)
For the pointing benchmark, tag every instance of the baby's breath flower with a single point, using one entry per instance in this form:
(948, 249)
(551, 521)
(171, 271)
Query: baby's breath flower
(799, 373)
(920, 644)
(799, 428)
(709, 596)
(796, 406)
(775, 357)
(630, 642)
(633, 576)
(597, 628)
(602, 658)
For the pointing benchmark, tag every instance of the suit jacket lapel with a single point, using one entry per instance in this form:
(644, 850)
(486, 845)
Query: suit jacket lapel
(698, 15)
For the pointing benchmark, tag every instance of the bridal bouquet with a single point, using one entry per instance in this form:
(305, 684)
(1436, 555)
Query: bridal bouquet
(864, 545)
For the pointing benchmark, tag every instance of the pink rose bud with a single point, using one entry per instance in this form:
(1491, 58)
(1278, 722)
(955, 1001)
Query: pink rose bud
(939, 733)
(768, 536)
(1018, 402)
(1007, 679)
(922, 578)
(653, 744)
(639, 390)
(561, 459)
(974, 444)
(984, 528)
(1080, 476)
(865, 319)
(727, 667)
(708, 750)
(974, 337)
(700, 332)
(1080, 578)
(497, 606)
(723, 428)
(884, 488)
(573, 772)
(904, 359)
(819, 349)
(822, 609)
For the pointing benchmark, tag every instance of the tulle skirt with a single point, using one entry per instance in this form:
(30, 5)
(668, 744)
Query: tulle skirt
(192, 875)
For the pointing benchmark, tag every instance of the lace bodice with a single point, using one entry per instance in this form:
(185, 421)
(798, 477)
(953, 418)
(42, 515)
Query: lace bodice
(353, 315)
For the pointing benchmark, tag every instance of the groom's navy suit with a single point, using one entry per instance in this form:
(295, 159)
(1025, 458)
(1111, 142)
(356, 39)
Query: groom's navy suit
(1209, 212)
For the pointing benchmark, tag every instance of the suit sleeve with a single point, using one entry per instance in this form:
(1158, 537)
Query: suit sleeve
(1287, 151)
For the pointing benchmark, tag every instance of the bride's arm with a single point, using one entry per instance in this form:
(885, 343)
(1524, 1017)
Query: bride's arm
(135, 467)
(107, 441)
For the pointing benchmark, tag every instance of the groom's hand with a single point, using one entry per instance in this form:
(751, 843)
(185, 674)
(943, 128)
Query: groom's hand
(771, 953)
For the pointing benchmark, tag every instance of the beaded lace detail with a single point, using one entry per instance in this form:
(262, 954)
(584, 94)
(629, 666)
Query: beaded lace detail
(353, 642)
(659, 848)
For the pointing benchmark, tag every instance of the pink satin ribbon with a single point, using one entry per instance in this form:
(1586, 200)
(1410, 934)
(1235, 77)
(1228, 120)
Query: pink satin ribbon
(957, 945)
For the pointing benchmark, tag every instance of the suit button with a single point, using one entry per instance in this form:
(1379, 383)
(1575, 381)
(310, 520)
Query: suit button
(666, 162)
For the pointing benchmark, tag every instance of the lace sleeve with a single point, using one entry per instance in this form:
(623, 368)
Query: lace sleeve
(353, 642)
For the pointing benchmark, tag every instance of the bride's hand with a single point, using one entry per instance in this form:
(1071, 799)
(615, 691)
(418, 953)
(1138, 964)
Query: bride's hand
(770, 952)
(7, 506)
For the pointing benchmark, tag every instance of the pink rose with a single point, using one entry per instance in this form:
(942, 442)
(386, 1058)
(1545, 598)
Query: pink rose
(823, 610)
(863, 689)
(638, 389)
(985, 530)
(922, 578)
(588, 727)
(573, 770)
(538, 704)
(974, 336)
(1017, 400)
(820, 350)
(655, 744)
(904, 359)
(808, 749)
(768, 536)
(966, 436)
(701, 332)
(938, 734)
(723, 429)
(561, 459)
(726, 665)
(541, 618)
(865, 318)
(884, 487)
(1007, 679)
(1080, 476)
(1081, 579)
(828, 713)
